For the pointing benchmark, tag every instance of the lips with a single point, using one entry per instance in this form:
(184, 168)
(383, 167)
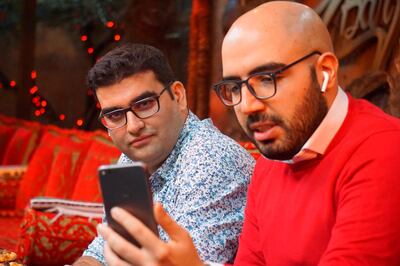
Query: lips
(140, 141)
(263, 131)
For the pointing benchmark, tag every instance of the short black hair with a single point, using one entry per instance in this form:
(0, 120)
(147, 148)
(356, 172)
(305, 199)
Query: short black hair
(127, 60)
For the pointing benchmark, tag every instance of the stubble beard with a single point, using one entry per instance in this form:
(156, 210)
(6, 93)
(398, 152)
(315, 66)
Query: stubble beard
(308, 115)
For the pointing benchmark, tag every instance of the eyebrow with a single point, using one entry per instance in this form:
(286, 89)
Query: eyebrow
(269, 67)
(142, 96)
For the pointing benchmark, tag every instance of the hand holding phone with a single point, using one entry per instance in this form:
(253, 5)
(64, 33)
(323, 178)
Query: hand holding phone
(126, 186)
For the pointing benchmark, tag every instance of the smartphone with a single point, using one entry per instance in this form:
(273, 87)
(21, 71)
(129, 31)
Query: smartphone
(127, 186)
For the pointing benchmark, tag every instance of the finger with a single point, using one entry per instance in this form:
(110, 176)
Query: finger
(119, 245)
(140, 232)
(112, 258)
(174, 231)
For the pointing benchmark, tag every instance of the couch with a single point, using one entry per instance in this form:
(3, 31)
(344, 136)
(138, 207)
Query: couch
(47, 161)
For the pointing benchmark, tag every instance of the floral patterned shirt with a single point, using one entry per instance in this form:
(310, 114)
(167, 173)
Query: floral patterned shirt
(202, 184)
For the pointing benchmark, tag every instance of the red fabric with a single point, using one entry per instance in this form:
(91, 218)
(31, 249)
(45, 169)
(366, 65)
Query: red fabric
(9, 185)
(34, 181)
(66, 166)
(21, 145)
(339, 209)
(6, 132)
(8, 120)
(43, 242)
(40, 177)
(101, 151)
(251, 148)
(9, 231)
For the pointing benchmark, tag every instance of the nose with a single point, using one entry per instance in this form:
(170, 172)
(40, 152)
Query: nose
(133, 123)
(250, 104)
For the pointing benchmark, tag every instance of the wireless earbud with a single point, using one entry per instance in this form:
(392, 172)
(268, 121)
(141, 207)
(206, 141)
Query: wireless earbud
(109, 134)
(325, 82)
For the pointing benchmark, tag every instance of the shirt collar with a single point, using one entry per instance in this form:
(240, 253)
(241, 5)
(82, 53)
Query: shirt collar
(317, 144)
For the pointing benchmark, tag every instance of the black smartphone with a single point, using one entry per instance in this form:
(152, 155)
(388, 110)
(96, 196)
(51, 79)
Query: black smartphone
(127, 186)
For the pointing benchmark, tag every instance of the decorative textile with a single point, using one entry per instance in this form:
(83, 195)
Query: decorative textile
(202, 185)
(6, 132)
(10, 177)
(101, 151)
(341, 208)
(56, 145)
(66, 166)
(22, 144)
(9, 230)
(43, 242)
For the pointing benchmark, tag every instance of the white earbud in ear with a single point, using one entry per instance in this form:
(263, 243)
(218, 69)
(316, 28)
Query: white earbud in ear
(325, 82)
(109, 134)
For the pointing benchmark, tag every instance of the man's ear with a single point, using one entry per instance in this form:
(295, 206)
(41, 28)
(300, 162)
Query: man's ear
(179, 92)
(327, 67)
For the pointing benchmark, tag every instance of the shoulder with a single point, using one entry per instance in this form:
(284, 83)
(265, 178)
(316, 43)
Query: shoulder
(209, 153)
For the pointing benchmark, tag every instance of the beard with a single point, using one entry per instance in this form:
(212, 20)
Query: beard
(308, 115)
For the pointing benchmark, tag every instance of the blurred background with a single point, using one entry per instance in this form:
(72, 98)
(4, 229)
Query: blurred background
(47, 47)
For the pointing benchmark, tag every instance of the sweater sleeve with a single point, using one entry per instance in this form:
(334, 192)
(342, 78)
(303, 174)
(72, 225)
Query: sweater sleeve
(367, 226)
(250, 251)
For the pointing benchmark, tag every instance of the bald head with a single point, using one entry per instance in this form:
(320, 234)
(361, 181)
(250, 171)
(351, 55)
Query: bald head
(282, 27)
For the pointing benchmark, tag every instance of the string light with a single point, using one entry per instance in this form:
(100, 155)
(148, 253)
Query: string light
(33, 90)
(110, 24)
(40, 103)
(33, 74)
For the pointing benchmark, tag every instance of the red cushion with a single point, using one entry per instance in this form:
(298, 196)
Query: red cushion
(57, 150)
(8, 120)
(9, 231)
(10, 177)
(6, 132)
(21, 145)
(46, 242)
(66, 166)
(101, 151)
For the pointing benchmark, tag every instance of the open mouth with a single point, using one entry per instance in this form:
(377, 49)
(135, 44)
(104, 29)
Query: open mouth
(263, 131)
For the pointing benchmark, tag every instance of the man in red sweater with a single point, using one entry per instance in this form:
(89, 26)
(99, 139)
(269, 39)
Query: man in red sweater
(327, 191)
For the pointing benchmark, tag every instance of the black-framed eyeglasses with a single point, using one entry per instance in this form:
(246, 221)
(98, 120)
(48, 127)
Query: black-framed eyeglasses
(142, 109)
(261, 85)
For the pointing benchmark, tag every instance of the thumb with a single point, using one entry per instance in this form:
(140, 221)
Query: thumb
(174, 231)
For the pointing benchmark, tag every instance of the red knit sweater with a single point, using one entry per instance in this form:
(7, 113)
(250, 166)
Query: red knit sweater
(340, 209)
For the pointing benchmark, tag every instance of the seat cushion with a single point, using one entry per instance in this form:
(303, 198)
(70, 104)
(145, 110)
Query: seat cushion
(45, 241)
(54, 165)
(101, 151)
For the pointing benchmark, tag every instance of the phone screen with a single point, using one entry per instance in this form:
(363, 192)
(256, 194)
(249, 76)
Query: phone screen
(126, 186)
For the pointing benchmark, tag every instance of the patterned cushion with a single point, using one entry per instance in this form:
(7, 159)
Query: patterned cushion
(10, 177)
(48, 172)
(66, 166)
(47, 242)
(22, 144)
(101, 151)
(6, 132)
